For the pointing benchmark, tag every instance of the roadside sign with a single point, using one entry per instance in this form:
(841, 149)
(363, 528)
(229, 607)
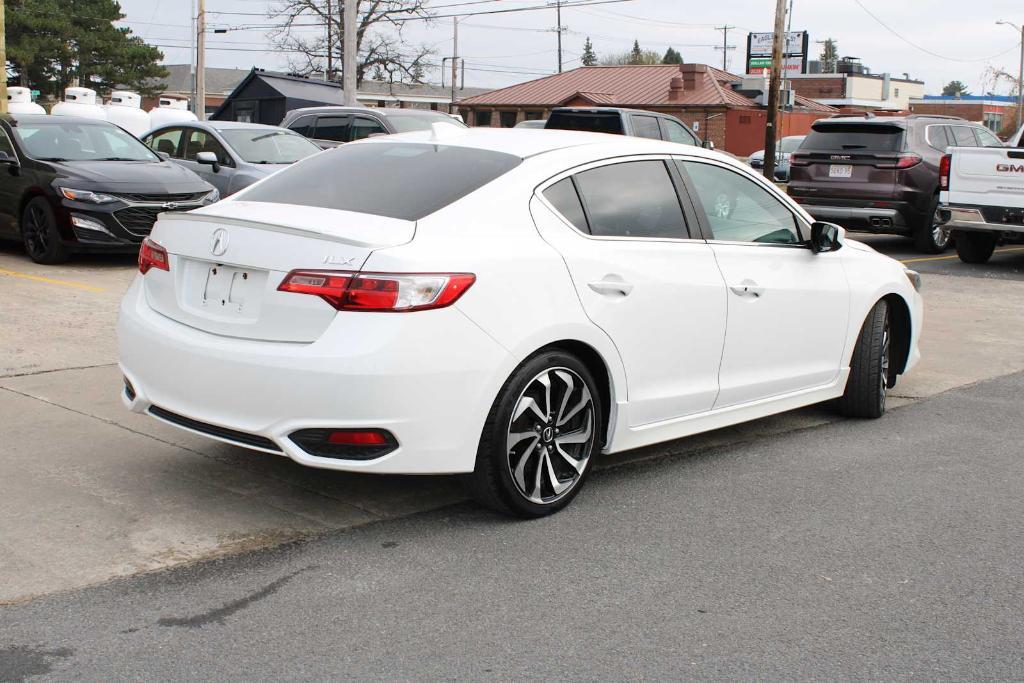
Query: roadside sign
(794, 53)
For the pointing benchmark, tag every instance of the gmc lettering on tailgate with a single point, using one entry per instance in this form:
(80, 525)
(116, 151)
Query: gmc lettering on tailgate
(1009, 168)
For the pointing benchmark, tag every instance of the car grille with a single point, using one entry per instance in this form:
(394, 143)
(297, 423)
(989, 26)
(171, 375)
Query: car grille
(138, 220)
(181, 197)
(243, 438)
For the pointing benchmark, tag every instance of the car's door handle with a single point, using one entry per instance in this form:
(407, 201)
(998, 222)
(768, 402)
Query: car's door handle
(611, 287)
(748, 289)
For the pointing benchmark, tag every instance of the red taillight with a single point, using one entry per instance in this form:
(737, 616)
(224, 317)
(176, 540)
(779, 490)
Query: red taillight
(799, 160)
(380, 292)
(905, 160)
(152, 255)
(944, 165)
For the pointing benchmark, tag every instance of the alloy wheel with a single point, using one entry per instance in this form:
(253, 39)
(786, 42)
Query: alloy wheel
(940, 235)
(551, 435)
(884, 363)
(36, 231)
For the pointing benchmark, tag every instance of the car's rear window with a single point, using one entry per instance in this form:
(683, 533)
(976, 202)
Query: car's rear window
(592, 121)
(851, 137)
(397, 180)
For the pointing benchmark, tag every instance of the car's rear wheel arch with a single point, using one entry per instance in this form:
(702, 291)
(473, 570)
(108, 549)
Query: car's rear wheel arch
(899, 320)
(592, 359)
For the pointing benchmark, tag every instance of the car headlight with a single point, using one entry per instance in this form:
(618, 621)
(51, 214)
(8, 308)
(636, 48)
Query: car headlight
(212, 196)
(914, 277)
(87, 196)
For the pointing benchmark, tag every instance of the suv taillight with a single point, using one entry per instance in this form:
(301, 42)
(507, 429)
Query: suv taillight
(799, 160)
(152, 255)
(905, 160)
(944, 165)
(380, 292)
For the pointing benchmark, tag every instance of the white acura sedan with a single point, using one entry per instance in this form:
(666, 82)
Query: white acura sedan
(505, 304)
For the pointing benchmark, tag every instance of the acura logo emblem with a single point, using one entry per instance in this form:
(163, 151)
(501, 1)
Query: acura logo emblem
(219, 244)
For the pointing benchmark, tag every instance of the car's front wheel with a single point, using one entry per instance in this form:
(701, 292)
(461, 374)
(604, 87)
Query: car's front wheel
(39, 233)
(870, 367)
(540, 438)
(975, 247)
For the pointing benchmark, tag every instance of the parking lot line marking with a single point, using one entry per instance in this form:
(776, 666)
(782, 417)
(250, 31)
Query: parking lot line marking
(948, 258)
(50, 281)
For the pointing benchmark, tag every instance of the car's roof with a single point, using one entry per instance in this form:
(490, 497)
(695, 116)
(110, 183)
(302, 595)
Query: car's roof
(526, 143)
(228, 125)
(385, 111)
(891, 120)
(47, 118)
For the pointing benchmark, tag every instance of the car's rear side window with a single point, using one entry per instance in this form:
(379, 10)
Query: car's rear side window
(397, 180)
(632, 199)
(937, 139)
(646, 127)
(592, 121)
(838, 137)
(564, 198)
(964, 136)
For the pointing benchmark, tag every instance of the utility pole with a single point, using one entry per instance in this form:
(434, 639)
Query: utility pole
(330, 46)
(558, 14)
(349, 52)
(192, 58)
(455, 61)
(201, 62)
(725, 45)
(1020, 71)
(3, 59)
(773, 90)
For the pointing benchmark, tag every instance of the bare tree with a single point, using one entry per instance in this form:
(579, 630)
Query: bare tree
(379, 37)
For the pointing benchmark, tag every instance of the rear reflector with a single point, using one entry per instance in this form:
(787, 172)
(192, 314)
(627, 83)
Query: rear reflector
(152, 255)
(345, 444)
(380, 292)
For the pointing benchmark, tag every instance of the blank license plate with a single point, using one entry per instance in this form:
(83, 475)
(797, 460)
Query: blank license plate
(226, 288)
(840, 171)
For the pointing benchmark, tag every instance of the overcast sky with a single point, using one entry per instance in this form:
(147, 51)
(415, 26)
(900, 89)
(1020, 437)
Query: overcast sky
(938, 41)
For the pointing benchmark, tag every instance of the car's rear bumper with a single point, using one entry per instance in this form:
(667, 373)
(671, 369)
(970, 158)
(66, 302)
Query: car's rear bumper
(876, 219)
(969, 218)
(429, 378)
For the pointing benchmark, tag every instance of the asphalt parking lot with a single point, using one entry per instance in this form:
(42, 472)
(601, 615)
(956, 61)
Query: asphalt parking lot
(870, 549)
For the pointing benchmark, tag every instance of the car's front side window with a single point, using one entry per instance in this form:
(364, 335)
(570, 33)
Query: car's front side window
(201, 141)
(5, 145)
(632, 199)
(167, 141)
(363, 127)
(333, 128)
(737, 208)
(677, 132)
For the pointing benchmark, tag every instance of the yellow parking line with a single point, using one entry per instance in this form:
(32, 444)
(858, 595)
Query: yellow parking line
(949, 258)
(50, 281)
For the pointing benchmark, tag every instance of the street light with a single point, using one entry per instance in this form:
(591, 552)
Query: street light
(1020, 72)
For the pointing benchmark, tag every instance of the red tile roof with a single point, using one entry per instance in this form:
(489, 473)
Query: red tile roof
(628, 86)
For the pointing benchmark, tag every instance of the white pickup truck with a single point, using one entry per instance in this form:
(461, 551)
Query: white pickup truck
(982, 197)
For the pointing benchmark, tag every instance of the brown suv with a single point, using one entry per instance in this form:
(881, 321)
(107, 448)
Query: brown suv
(881, 174)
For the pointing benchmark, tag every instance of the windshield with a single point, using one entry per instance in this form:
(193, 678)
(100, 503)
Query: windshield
(791, 144)
(397, 180)
(74, 141)
(269, 146)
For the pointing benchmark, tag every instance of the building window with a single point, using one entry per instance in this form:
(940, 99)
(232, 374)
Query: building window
(433, 106)
(534, 115)
(993, 121)
(381, 103)
(508, 119)
(896, 92)
(744, 120)
(483, 118)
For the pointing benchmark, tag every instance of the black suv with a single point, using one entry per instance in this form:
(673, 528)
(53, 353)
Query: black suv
(881, 174)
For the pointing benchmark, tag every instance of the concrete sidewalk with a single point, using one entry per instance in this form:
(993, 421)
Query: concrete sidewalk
(91, 491)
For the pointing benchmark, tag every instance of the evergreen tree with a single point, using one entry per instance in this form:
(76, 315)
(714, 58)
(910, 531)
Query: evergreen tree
(955, 89)
(589, 57)
(46, 42)
(636, 55)
(829, 56)
(672, 57)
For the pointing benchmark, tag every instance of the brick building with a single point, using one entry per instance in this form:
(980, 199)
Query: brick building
(996, 112)
(703, 97)
(856, 92)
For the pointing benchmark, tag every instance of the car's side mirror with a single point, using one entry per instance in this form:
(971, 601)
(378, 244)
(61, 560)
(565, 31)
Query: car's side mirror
(6, 158)
(163, 155)
(826, 237)
(709, 144)
(208, 158)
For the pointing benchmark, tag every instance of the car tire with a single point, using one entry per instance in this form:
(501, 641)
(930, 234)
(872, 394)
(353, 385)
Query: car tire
(39, 233)
(929, 237)
(540, 438)
(975, 247)
(870, 368)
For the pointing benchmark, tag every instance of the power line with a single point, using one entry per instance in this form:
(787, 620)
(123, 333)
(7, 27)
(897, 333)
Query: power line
(926, 50)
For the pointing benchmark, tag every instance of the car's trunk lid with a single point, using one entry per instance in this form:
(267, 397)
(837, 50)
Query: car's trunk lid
(227, 260)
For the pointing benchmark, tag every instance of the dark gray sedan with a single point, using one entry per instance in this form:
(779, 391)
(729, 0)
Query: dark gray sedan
(330, 126)
(228, 154)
